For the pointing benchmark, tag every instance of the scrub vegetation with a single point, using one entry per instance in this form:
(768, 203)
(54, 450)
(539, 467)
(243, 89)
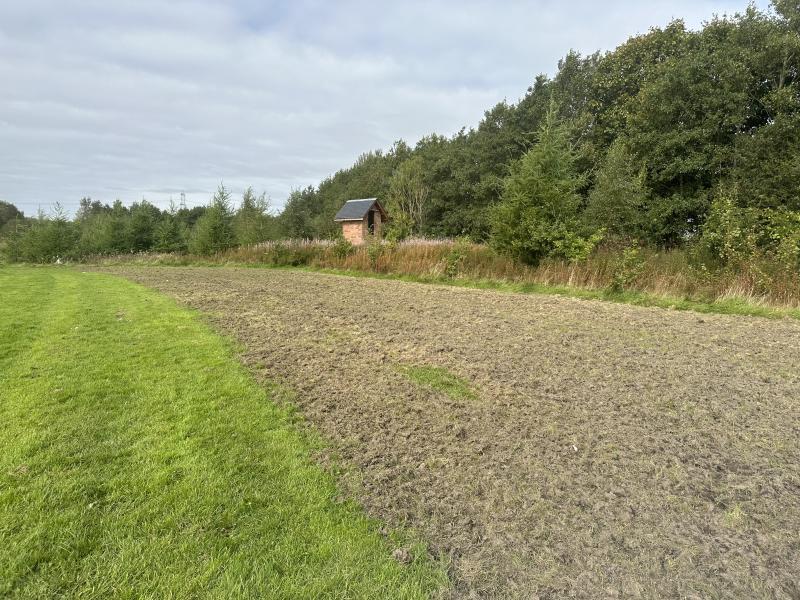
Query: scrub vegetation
(647, 277)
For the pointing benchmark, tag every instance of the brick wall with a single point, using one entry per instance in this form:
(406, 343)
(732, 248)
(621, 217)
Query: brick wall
(353, 231)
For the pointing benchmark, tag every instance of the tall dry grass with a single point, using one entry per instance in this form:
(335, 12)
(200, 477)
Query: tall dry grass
(668, 273)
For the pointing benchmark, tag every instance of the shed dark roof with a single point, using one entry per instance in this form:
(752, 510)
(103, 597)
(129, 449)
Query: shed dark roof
(355, 210)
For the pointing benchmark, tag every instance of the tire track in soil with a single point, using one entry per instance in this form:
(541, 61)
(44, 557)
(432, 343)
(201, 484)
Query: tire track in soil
(612, 451)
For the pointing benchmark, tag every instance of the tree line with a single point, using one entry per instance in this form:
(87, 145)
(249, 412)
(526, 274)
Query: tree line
(100, 229)
(673, 137)
(677, 137)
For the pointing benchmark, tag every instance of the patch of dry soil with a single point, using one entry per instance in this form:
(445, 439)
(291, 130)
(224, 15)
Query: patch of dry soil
(611, 451)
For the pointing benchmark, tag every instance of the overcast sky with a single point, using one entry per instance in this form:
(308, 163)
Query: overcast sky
(143, 98)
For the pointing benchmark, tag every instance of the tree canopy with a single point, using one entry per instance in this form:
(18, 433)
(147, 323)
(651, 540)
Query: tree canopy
(640, 142)
(669, 116)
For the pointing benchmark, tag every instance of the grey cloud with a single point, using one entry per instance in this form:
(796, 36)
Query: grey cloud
(142, 98)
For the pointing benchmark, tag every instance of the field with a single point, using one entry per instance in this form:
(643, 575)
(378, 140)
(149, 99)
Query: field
(140, 460)
(649, 277)
(548, 447)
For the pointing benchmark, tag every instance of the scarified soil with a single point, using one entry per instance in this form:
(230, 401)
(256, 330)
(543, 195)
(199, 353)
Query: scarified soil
(610, 450)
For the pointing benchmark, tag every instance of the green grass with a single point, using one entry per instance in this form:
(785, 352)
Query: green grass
(439, 379)
(140, 460)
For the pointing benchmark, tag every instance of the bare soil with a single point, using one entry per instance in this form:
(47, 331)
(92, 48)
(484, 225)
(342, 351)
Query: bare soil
(608, 450)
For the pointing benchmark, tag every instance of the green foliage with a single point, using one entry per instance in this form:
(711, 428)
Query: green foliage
(114, 236)
(45, 239)
(141, 226)
(375, 250)
(728, 232)
(12, 223)
(768, 161)
(456, 257)
(538, 215)
(629, 266)
(638, 144)
(790, 11)
(253, 223)
(408, 195)
(309, 212)
(736, 237)
(399, 228)
(297, 217)
(620, 76)
(100, 229)
(289, 254)
(8, 213)
(783, 230)
(170, 235)
(618, 200)
(655, 127)
(190, 216)
(342, 248)
(214, 230)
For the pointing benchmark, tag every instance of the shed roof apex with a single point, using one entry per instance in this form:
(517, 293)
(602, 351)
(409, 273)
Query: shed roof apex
(355, 210)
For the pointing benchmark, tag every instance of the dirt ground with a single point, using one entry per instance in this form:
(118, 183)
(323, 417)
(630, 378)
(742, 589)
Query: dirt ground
(609, 450)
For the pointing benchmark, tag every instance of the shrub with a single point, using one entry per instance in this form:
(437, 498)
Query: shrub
(728, 233)
(407, 196)
(285, 255)
(399, 228)
(739, 238)
(44, 240)
(455, 257)
(374, 252)
(342, 248)
(628, 268)
(169, 235)
(784, 234)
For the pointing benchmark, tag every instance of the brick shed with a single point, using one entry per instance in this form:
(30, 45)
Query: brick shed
(360, 218)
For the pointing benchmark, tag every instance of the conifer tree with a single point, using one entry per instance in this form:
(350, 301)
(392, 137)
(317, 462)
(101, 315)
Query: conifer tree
(618, 200)
(252, 222)
(538, 214)
(214, 230)
(170, 235)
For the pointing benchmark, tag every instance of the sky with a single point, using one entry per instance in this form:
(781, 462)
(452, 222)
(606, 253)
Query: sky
(135, 99)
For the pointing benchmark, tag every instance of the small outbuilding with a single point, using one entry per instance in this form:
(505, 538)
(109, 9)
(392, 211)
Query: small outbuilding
(360, 218)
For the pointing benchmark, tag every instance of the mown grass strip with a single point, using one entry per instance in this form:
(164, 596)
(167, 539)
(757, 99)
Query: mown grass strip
(439, 379)
(140, 460)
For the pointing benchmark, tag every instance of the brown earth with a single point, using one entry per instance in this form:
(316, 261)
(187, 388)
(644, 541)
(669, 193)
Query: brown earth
(611, 451)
